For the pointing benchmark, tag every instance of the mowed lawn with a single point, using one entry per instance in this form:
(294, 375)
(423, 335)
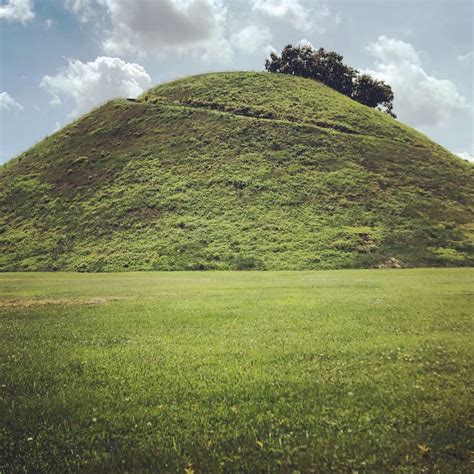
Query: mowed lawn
(358, 370)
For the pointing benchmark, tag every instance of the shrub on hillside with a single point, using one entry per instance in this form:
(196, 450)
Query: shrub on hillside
(246, 263)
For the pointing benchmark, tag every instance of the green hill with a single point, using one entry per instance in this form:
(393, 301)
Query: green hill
(235, 171)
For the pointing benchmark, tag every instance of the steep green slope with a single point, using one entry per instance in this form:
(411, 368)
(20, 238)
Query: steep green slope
(235, 170)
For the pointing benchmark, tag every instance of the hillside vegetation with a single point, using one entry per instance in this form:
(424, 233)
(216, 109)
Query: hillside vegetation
(235, 171)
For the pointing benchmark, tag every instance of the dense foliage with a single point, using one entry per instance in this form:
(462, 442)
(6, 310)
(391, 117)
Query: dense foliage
(328, 68)
(235, 171)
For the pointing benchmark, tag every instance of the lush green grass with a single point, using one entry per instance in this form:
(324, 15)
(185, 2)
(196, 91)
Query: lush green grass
(235, 171)
(353, 370)
(281, 97)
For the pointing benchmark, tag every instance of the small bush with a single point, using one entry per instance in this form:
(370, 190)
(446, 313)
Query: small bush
(246, 263)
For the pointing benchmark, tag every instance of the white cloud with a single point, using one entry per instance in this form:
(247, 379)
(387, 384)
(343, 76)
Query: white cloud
(466, 58)
(218, 51)
(82, 8)
(393, 51)
(252, 39)
(7, 102)
(305, 42)
(291, 11)
(151, 27)
(49, 23)
(89, 84)
(17, 10)
(315, 15)
(466, 156)
(269, 49)
(420, 99)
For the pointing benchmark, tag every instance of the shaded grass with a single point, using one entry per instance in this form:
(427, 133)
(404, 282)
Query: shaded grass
(326, 371)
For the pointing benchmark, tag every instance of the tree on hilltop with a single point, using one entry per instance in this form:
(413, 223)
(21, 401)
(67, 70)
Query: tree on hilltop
(373, 93)
(328, 68)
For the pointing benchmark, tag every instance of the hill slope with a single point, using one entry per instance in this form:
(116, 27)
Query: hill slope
(235, 170)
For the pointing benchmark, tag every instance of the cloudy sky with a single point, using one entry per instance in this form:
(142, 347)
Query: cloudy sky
(60, 58)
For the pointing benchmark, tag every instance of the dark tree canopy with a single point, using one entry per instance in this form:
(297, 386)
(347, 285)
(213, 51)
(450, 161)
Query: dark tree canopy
(328, 68)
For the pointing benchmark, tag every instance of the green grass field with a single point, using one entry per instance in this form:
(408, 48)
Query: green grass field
(346, 371)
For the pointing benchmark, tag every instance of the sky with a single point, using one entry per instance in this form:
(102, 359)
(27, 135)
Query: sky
(61, 58)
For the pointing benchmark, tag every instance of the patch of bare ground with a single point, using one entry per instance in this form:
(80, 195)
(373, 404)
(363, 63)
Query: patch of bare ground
(33, 303)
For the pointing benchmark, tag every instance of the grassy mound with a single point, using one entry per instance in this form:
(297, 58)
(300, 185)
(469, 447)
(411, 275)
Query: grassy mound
(235, 171)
